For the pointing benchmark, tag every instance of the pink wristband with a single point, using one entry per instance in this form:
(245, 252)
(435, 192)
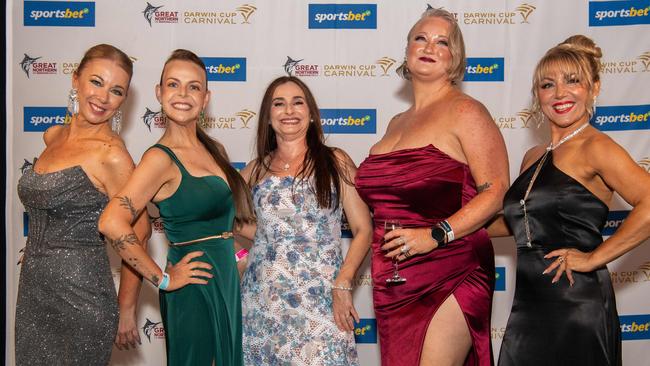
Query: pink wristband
(241, 255)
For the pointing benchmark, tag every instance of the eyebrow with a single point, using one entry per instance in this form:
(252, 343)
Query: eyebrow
(189, 82)
(282, 98)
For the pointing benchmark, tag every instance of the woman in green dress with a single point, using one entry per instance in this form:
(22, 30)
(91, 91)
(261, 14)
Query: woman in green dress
(200, 197)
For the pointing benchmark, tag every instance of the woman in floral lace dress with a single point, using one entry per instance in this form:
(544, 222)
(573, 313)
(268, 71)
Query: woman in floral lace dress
(297, 291)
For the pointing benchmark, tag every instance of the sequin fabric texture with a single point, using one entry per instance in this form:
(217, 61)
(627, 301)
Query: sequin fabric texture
(67, 311)
(286, 293)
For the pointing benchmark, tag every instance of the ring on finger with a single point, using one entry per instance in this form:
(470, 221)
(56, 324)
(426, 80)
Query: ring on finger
(405, 248)
(407, 253)
(560, 259)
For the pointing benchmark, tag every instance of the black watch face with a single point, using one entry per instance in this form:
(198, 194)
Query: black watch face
(438, 234)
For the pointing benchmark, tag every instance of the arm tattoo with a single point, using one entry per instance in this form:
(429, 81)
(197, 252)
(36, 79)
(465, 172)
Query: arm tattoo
(483, 187)
(119, 244)
(128, 204)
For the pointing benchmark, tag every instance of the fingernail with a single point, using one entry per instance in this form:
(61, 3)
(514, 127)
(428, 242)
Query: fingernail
(544, 272)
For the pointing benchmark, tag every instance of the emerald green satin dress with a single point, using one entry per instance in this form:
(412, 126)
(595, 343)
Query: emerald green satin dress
(202, 322)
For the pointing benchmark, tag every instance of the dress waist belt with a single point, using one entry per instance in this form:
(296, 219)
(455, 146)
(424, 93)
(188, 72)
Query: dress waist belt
(224, 235)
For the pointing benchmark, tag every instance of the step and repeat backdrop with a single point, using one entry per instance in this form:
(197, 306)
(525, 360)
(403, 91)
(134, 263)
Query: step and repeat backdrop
(347, 52)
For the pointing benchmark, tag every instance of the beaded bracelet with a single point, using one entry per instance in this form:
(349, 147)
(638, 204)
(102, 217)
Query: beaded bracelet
(337, 287)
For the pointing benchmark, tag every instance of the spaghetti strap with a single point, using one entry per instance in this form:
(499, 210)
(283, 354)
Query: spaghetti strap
(173, 156)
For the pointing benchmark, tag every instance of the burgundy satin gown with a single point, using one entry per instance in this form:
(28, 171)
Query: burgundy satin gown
(420, 187)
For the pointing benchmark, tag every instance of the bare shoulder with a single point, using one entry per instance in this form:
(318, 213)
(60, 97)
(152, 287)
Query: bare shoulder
(467, 110)
(531, 156)
(52, 133)
(248, 170)
(341, 155)
(602, 149)
(393, 122)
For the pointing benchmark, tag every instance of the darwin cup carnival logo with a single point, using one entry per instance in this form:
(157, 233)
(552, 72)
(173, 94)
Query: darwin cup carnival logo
(381, 67)
(645, 164)
(154, 329)
(229, 121)
(156, 14)
(522, 119)
(493, 16)
(640, 274)
(245, 116)
(640, 63)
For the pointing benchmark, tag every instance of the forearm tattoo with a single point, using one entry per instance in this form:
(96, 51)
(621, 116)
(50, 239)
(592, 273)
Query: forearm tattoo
(483, 187)
(128, 204)
(120, 243)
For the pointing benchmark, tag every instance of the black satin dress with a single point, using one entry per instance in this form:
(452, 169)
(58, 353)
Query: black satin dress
(558, 324)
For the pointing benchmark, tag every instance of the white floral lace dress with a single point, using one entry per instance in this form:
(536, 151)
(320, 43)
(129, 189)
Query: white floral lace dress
(286, 293)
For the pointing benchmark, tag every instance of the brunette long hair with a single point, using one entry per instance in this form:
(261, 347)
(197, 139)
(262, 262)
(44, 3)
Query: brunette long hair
(320, 160)
(241, 193)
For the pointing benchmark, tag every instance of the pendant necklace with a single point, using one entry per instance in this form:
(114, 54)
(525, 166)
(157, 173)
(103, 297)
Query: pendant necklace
(549, 148)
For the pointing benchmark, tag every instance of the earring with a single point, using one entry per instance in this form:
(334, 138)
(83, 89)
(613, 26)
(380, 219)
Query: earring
(73, 102)
(202, 119)
(593, 107)
(116, 122)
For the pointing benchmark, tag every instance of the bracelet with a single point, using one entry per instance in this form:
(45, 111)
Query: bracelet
(164, 283)
(444, 224)
(241, 254)
(337, 287)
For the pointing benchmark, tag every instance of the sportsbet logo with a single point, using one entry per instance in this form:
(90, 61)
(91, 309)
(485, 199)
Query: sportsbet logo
(349, 120)
(614, 220)
(621, 118)
(500, 279)
(365, 331)
(39, 119)
(484, 69)
(634, 327)
(342, 16)
(225, 68)
(59, 13)
(606, 13)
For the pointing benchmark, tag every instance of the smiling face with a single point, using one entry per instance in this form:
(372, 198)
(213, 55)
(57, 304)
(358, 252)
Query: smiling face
(428, 55)
(102, 86)
(564, 98)
(183, 91)
(290, 115)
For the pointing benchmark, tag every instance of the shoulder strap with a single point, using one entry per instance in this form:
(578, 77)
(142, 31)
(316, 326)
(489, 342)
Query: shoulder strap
(173, 156)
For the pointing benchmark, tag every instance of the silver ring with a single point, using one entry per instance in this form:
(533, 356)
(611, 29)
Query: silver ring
(407, 254)
(405, 248)
(561, 259)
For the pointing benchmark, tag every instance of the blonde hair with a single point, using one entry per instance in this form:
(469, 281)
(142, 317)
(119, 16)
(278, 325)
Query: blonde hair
(577, 56)
(456, 45)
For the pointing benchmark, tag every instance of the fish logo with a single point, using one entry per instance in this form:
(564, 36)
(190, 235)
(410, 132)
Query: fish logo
(27, 63)
(290, 65)
(148, 328)
(148, 117)
(26, 165)
(149, 11)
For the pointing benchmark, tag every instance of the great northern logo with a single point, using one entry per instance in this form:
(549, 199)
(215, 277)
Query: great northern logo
(155, 119)
(154, 329)
(342, 16)
(381, 67)
(160, 15)
(622, 118)
(58, 14)
(616, 13)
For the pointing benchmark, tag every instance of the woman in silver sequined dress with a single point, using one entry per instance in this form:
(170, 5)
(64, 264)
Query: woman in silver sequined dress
(67, 309)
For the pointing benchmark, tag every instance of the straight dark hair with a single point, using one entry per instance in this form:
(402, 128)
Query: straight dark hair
(240, 191)
(320, 160)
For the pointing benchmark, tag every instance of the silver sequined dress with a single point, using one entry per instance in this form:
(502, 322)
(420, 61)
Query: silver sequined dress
(67, 311)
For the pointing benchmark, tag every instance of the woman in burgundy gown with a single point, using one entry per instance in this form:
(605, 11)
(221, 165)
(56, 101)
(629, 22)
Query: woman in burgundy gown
(441, 169)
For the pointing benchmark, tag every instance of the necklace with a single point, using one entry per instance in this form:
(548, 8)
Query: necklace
(542, 160)
(286, 165)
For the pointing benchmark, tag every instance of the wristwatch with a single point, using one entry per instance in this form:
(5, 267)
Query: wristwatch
(439, 234)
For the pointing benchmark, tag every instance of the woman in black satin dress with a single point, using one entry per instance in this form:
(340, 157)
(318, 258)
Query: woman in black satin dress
(556, 210)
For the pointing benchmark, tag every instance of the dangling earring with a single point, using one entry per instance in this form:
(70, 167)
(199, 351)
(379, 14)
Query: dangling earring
(73, 102)
(593, 107)
(202, 119)
(73, 106)
(116, 122)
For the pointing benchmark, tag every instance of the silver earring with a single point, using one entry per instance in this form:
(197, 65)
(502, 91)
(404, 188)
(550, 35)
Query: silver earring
(593, 107)
(73, 102)
(116, 122)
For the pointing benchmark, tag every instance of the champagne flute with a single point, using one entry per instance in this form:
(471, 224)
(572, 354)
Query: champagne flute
(396, 279)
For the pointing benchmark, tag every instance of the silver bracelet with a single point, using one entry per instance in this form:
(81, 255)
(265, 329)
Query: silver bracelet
(337, 287)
